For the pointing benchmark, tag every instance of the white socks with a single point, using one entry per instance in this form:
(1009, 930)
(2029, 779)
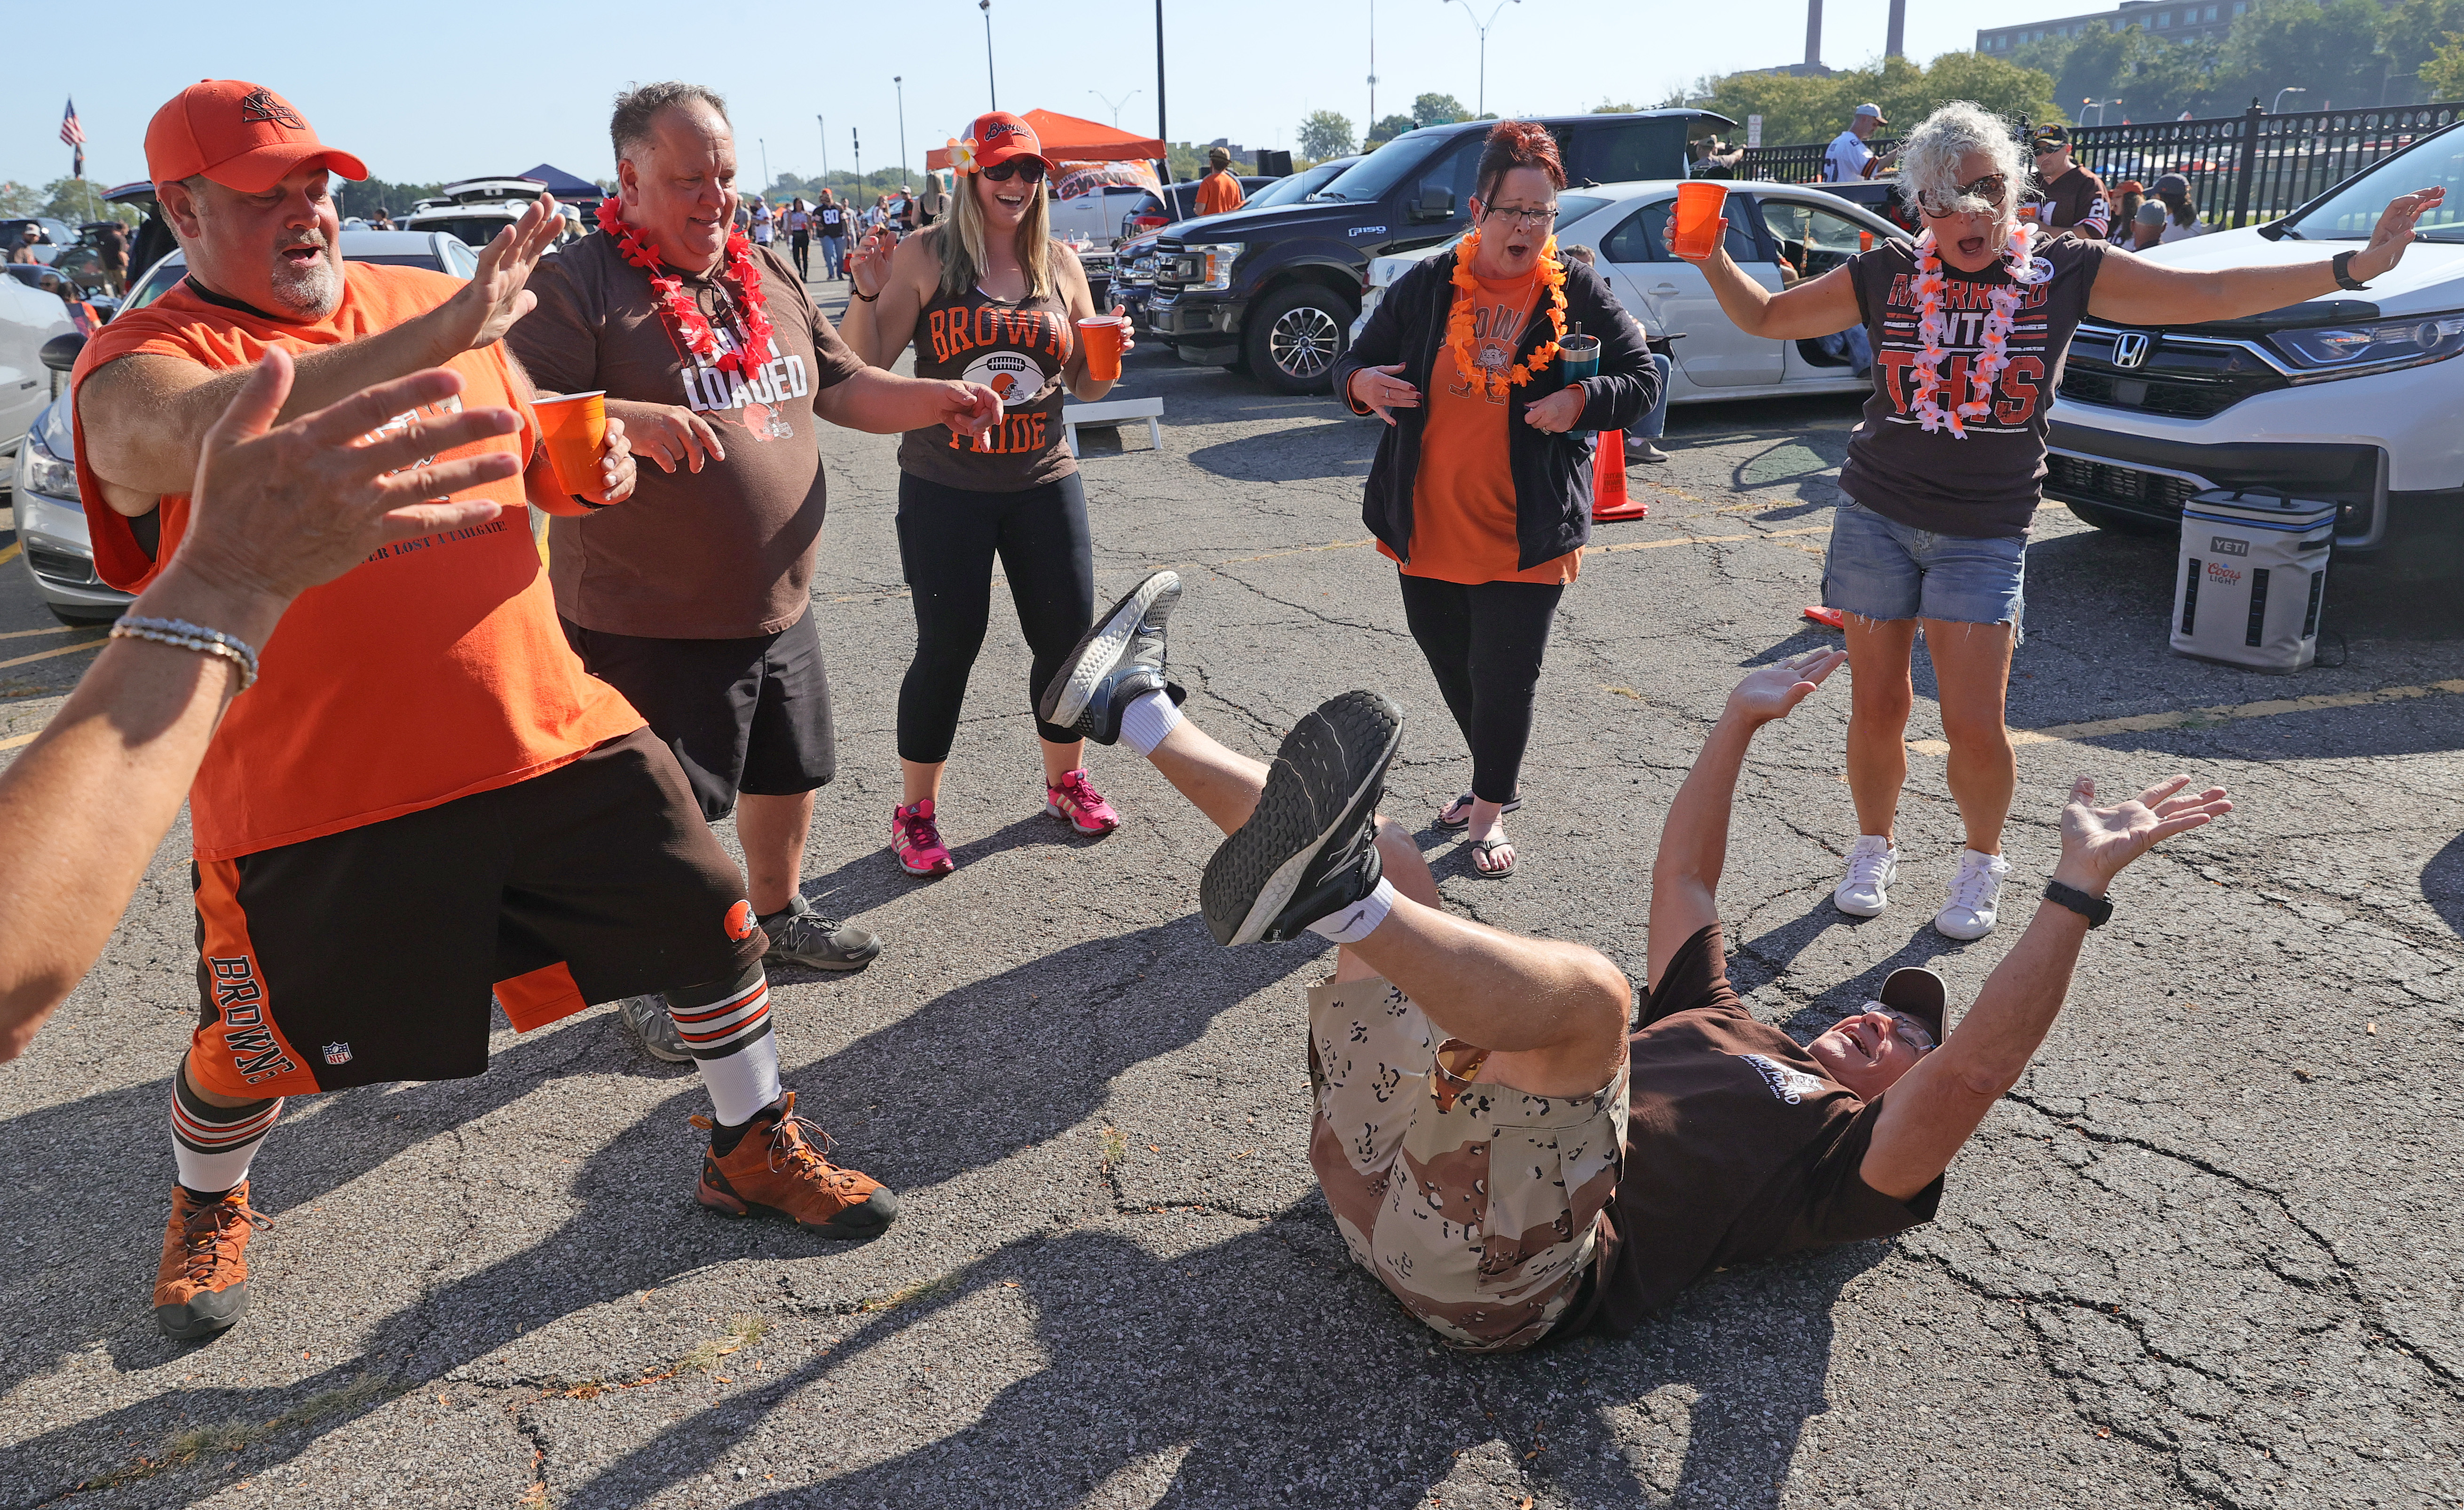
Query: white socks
(1360, 919)
(1149, 717)
(213, 1144)
(744, 1082)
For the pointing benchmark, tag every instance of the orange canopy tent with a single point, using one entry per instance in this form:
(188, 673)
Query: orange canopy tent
(1067, 139)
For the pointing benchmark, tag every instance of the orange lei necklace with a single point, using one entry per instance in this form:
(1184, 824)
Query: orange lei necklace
(1459, 331)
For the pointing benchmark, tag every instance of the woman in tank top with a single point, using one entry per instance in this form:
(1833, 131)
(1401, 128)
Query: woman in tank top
(990, 296)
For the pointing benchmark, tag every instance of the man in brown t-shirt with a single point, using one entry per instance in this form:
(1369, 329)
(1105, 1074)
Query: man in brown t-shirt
(1443, 1046)
(695, 599)
(2074, 196)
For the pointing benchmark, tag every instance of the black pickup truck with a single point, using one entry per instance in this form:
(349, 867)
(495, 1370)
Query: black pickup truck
(1271, 292)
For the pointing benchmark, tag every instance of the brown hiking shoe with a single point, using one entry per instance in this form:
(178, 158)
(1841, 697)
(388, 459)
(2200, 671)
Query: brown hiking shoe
(202, 1286)
(777, 1169)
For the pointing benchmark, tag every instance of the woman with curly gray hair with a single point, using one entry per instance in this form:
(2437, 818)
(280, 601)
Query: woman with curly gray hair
(1969, 325)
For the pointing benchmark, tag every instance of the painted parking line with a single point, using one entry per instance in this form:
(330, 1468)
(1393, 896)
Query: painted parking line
(2203, 717)
(9, 552)
(14, 740)
(1711, 539)
(64, 650)
(20, 634)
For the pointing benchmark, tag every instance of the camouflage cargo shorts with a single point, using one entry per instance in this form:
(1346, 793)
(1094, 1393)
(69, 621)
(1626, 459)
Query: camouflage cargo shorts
(1477, 1205)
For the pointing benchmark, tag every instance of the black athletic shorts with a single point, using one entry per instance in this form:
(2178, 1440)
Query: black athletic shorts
(371, 955)
(741, 715)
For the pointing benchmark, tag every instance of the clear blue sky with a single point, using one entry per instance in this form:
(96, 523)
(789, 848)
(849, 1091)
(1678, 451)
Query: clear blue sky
(440, 93)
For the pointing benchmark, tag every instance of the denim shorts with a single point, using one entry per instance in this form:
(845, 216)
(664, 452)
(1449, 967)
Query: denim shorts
(1879, 568)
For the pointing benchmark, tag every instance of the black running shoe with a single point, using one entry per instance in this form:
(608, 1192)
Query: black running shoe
(1309, 849)
(1116, 661)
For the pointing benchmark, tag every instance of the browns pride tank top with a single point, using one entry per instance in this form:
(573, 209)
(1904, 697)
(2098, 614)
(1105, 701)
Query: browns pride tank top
(1014, 348)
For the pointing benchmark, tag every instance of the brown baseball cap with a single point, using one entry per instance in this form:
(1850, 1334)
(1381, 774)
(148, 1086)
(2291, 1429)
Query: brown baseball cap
(243, 135)
(1919, 993)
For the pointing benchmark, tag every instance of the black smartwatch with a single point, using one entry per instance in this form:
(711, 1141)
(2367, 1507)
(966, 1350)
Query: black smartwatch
(2096, 910)
(2341, 266)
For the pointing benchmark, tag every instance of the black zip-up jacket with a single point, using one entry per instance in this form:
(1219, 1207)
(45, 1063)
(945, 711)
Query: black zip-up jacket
(1553, 474)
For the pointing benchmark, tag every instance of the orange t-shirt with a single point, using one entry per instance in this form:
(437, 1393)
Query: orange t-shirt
(431, 670)
(1220, 194)
(1463, 498)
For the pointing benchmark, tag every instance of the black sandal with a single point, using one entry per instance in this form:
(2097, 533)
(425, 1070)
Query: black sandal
(1483, 848)
(1464, 801)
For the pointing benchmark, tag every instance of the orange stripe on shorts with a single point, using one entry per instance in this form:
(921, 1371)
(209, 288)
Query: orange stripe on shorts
(540, 997)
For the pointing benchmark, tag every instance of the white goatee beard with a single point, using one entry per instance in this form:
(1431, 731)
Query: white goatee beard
(311, 291)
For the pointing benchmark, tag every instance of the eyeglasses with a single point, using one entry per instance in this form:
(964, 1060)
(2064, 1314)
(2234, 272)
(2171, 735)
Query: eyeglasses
(1030, 168)
(1523, 219)
(1941, 207)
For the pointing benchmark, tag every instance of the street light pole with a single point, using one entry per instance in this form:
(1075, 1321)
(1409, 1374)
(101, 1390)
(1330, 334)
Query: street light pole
(1482, 27)
(900, 81)
(1373, 72)
(765, 166)
(991, 87)
(2278, 108)
(1114, 104)
(825, 150)
(857, 138)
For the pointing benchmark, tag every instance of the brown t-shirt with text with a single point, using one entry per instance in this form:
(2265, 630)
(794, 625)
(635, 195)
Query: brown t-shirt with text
(1987, 484)
(722, 554)
(1737, 1145)
(2069, 198)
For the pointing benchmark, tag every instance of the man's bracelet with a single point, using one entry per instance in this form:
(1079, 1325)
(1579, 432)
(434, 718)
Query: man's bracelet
(868, 299)
(181, 634)
(2096, 910)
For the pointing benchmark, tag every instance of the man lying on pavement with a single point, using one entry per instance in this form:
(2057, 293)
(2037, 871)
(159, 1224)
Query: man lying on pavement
(1495, 1147)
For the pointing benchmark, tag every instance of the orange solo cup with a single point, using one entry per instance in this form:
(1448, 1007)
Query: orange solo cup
(1698, 217)
(1100, 334)
(574, 427)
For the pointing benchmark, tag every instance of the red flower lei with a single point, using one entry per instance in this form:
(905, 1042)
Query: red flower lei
(682, 314)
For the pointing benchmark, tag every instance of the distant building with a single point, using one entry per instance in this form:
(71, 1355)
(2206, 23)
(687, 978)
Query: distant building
(2172, 20)
(1240, 153)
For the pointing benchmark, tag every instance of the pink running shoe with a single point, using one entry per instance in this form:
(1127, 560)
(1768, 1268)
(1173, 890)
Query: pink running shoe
(1076, 800)
(916, 841)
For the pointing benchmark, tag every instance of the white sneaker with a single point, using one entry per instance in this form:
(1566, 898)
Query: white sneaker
(1873, 865)
(1974, 893)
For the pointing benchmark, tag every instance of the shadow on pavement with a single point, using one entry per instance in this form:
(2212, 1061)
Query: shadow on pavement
(2442, 884)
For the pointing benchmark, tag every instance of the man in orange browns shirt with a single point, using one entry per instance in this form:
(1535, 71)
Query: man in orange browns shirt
(425, 800)
(1218, 192)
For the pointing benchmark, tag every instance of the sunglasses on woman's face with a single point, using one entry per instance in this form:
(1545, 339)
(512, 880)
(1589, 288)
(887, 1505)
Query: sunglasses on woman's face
(1027, 167)
(1941, 207)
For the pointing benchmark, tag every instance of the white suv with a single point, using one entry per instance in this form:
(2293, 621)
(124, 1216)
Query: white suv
(2342, 396)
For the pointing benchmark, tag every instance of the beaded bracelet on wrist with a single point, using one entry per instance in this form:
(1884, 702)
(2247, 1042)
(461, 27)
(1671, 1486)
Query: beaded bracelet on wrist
(181, 634)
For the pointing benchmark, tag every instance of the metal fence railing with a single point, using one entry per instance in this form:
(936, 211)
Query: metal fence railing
(2242, 169)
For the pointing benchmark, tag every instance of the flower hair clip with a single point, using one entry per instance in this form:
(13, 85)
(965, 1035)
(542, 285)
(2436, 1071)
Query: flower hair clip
(962, 154)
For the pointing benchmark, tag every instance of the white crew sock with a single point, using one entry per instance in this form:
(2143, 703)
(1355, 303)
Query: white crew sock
(744, 1082)
(726, 1028)
(1360, 919)
(213, 1144)
(1149, 717)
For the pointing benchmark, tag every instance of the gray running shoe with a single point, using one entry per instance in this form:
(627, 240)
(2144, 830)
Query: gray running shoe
(1309, 849)
(799, 936)
(646, 1022)
(1119, 658)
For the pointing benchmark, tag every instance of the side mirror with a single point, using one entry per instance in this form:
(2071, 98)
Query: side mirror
(61, 352)
(1437, 202)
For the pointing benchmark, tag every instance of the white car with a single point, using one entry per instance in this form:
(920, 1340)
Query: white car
(2325, 399)
(29, 317)
(1623, 223)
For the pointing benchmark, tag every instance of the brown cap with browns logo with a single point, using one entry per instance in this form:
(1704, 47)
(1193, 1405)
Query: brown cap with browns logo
(243, 135)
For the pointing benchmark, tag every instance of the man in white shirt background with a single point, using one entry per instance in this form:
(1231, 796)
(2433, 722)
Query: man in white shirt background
(1848, 158)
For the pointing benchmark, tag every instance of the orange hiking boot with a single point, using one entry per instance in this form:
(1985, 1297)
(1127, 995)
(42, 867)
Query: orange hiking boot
(202, 1286)
(775, 1170)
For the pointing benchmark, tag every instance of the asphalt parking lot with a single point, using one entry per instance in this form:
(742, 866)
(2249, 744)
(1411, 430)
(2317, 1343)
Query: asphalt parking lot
(2206, 1254)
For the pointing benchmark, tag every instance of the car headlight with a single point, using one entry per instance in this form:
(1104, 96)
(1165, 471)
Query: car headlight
(41, 471)
(1215, 259)
(2373, 345)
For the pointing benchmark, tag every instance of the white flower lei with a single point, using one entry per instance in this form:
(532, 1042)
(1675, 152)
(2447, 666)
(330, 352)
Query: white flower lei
(1933, 329)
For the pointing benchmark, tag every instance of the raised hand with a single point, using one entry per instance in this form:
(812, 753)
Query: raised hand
(2394, 231)
(278, 511)
(2098, 841)
(1773, 691)
(496, 294)
(1380, 391)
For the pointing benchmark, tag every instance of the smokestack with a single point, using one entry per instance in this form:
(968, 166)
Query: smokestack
(1895, 45)
(1814, 32)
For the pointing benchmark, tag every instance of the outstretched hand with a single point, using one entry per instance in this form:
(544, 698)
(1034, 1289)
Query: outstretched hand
(2099, 841)
(497, 293)
(2394, 231)
(1771, 693)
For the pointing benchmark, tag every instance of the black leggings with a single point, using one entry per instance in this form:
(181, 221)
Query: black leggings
(947, 538)
(801, 243)
(1483, 643)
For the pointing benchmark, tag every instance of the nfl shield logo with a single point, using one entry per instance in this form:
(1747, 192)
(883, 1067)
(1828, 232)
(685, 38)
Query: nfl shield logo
(338, 1053)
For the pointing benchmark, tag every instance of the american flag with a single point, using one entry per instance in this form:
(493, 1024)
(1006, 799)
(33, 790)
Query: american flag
(73, 135)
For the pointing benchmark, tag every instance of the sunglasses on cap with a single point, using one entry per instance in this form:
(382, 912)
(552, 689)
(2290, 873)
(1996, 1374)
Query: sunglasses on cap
(1030, 168)
(1991, 188)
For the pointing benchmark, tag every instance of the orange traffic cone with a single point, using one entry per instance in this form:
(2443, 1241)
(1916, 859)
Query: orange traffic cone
(1610, 502)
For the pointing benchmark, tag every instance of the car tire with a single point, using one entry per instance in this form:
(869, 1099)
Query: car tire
(1240, 364)
(1294, 335)
(2120, 521)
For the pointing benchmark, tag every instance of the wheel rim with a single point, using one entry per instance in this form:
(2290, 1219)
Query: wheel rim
(1301, 341)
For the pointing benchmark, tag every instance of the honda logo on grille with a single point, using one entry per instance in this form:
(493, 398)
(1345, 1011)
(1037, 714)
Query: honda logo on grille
(2130, 348)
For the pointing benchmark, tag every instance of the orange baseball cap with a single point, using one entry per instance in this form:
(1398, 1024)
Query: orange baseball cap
(1001, 136)
(243, 135)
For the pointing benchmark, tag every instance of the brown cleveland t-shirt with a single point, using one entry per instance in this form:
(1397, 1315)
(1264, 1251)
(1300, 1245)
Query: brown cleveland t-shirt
(1985, 486)
(1737, 1145)
(722, 554)
(2070, 197)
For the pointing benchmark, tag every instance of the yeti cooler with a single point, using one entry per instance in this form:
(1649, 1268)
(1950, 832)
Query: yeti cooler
(2254, 569)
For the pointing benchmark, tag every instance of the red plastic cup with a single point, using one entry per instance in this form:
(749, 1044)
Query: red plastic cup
(1100, 336)
(1699, 202)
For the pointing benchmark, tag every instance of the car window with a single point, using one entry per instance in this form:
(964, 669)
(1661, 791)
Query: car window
(1639, 238)
(401, 259)
(1453, 170)
(1812, 239)
(2352, 210)
(1380, 170)
(1630, 149)
(155, 284)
